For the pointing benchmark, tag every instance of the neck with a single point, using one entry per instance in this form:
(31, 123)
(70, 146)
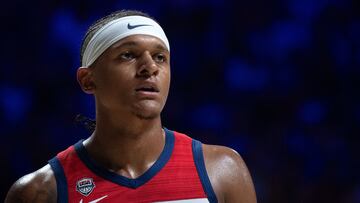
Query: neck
(127, 145)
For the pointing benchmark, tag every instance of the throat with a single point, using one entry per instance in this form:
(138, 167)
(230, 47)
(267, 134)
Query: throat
(132, 171)
(128, 156)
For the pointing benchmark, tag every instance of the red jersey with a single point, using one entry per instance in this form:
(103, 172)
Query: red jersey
(179, 175)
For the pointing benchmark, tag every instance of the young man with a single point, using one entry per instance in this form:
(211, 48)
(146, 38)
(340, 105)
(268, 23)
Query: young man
(130, 157)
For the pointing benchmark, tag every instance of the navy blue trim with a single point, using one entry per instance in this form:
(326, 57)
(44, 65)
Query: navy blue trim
(201, 169)
(61, 183)
(124, 181)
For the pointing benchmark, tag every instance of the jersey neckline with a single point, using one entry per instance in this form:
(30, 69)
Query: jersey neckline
(122, 180)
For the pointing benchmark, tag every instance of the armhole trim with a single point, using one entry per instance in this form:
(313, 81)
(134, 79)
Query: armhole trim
(61, 183)
(201, 169)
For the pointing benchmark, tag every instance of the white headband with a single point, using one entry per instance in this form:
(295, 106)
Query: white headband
(117, 30)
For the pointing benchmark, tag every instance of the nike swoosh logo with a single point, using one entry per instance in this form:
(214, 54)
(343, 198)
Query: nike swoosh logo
(130, 27)
(96, 200)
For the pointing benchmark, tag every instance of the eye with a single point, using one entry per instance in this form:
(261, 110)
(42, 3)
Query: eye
(160, 58)
(127, 56)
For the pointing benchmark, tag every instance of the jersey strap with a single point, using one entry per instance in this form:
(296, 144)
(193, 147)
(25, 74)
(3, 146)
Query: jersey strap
(201, 169)
(61, 183)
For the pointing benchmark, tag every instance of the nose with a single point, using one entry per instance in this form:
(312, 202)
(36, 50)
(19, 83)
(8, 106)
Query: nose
(147, 66)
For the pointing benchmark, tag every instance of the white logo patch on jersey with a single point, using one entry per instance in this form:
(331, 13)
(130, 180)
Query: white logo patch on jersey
(85, 186)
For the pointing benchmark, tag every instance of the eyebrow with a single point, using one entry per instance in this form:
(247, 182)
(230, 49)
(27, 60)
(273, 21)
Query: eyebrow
(130, 43)
(161, 47)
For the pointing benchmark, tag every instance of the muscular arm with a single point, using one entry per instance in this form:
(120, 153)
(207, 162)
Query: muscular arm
(38, 187)
(228, 175)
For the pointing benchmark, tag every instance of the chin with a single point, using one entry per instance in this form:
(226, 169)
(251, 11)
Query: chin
(147, 116)
(147, 110)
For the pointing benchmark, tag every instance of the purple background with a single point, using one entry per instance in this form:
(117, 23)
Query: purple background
(276, 80)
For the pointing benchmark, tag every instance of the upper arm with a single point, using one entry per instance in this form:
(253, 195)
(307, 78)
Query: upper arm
(228, 175)
(39, 187)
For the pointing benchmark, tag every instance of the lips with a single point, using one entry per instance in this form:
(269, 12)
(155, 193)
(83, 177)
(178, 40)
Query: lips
(147, 88)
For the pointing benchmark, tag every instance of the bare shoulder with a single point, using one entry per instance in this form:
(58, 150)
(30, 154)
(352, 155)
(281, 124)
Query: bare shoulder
(228, 174)
(39, 187)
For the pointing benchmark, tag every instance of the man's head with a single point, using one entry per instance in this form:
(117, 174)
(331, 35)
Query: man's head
(126, 64)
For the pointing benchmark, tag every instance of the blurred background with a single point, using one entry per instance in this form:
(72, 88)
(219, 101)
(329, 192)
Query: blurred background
(276, 80)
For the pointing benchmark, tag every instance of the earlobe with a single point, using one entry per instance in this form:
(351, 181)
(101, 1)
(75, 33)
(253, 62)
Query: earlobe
(85, 80)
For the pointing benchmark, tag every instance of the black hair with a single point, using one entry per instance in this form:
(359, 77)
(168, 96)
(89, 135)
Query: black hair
(87, 123)
(103, 21)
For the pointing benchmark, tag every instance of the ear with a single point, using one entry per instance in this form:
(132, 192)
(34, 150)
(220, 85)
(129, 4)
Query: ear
(85, 79)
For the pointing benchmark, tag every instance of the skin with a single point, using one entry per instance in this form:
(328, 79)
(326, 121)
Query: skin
(128, 123)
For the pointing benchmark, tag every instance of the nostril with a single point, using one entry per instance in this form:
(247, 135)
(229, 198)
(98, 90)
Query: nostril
(147, 70)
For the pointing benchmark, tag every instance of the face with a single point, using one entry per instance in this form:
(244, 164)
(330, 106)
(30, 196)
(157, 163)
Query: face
(133, 76)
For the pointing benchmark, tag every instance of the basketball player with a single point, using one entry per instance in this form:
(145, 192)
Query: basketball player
(130, 157)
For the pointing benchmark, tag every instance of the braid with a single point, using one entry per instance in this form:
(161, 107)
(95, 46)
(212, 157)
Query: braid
(86, 122)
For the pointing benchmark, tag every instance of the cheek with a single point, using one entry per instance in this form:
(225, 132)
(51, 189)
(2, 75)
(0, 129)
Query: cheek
(115, 74)
(114, 80)
(166, 80)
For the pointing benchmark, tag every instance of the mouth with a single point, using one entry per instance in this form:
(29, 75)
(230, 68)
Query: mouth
(147, 88)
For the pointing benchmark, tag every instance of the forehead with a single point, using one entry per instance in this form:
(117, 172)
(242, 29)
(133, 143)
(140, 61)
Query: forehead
(140, 41)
